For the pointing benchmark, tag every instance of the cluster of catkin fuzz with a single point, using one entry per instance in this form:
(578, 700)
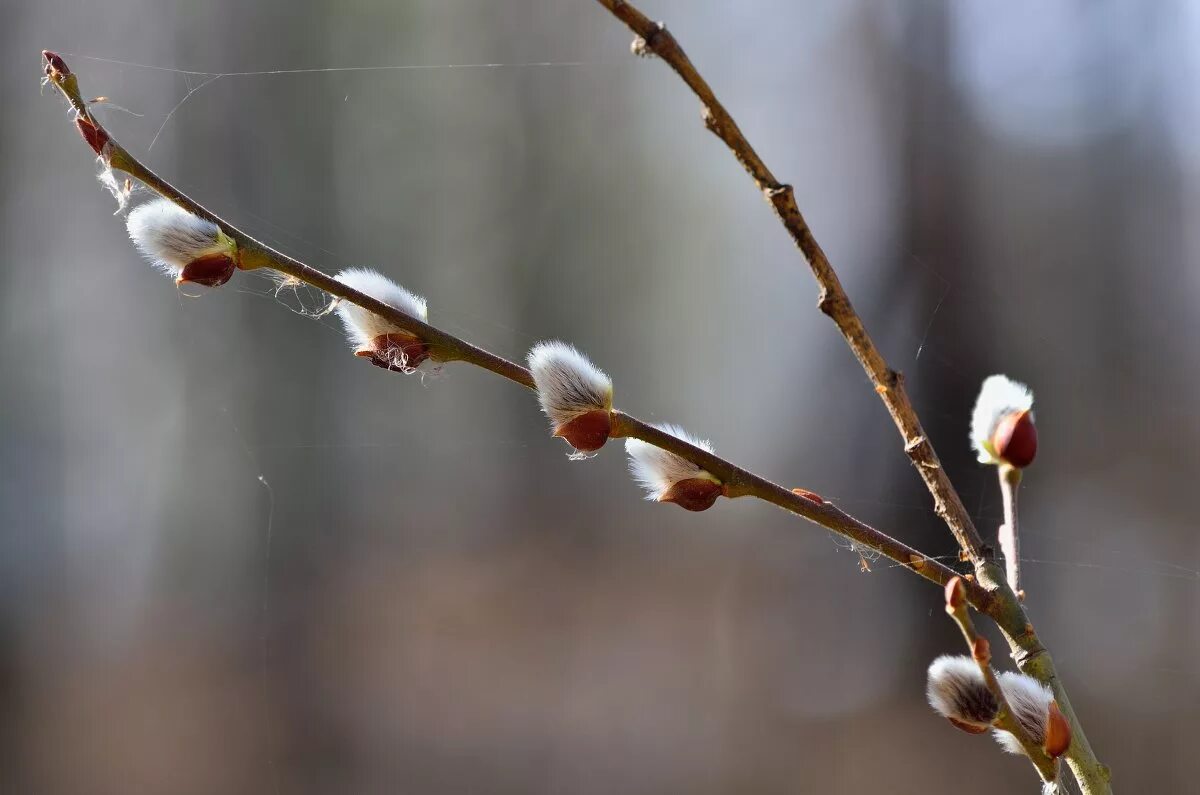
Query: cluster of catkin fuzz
(1002, 429)
(383, 343)
(1002, 435)
(575, 395)
(957, 690)
(184, 246)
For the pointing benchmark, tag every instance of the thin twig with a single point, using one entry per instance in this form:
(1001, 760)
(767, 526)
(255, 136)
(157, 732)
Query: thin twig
(1009, 536)
(446, 347)
(1005, 609)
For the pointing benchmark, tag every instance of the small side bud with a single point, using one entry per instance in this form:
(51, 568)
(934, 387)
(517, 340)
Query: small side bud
(981, 650)
(668, 478)
(811, 496)
(956, 594)
(1033, 707)
(186, 247)
(1002, 427)
(372, 337)
(957, 691)
(92, 135)
(574, 394)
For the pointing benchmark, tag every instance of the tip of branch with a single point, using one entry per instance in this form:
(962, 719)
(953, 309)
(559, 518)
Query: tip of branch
(55, 66)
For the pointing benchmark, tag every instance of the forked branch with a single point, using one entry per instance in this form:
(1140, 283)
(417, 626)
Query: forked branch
(653, 38)
(889, 384)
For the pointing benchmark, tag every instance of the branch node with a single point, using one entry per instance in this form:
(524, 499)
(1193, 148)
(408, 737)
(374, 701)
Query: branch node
(644, 46)
(827, 303)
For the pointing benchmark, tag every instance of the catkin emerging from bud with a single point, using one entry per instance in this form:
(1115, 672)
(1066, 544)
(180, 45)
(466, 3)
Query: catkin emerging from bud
(574, 394)
(1002, 429)
(184, 246)
(1033, 706)
(376, 338)
(957, 691)
(668, 478)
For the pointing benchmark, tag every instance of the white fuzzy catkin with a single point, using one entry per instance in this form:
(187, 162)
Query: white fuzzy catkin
(956, 689)
(364, 327)
(998, 397)
(171, 237)
(568, 384)
(1029, 701)
(657, 470)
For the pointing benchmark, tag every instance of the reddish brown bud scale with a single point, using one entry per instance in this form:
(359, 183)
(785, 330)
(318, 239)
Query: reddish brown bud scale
(55, 65)
(588, 432)
(969, 728)
(389, 350)
(93, 135)
(1015, 439)
(211, 270)
(1058, 732)
(693, 494)
(811, 496)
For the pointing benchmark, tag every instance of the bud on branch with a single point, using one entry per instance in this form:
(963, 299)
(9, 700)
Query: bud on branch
(667, 477)
(373, 337)
(575, 395)
(1002, 429)
(184, 246)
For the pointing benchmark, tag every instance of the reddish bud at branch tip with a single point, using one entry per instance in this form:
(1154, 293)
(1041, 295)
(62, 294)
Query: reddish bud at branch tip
(588, 432)
(55, 65)
(1015, 439)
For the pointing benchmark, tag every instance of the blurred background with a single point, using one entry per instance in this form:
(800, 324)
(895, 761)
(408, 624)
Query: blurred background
(236, 559)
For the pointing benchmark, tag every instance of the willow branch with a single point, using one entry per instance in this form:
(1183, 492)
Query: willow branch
(833, 301)
(981, 653)
(1005, 609)
(447, 347)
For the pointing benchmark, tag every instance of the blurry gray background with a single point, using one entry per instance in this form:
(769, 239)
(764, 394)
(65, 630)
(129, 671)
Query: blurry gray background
(440, 602)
